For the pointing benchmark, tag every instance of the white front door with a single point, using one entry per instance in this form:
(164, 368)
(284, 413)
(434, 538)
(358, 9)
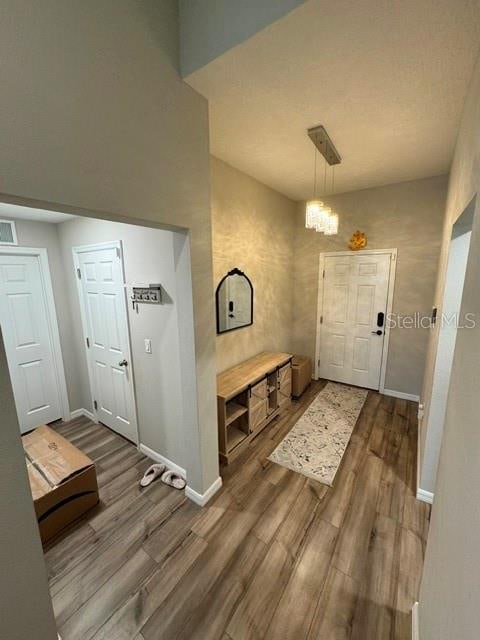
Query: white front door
(24, 319)
(355, 292)
(101, 286)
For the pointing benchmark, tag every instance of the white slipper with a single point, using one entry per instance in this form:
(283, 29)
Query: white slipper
(174, 479)
(152, 474)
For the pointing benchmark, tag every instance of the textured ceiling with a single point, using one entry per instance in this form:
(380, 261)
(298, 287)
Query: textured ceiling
(29, 213)
(387, 78)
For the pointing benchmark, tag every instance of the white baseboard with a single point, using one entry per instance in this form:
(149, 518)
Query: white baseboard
(415, 629)
(401, 395)
(198, 498)
(425, 496)
(81, 412)
(202, 499)
(157, 457)
(422, 494)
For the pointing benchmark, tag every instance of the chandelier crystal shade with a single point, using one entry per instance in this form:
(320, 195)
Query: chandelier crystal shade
(331, 228)
(313, 214)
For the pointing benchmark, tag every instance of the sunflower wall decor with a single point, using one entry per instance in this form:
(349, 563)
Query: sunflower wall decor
(357, 241)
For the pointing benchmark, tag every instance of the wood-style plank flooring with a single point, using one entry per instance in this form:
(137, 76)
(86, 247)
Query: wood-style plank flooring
(274, 556)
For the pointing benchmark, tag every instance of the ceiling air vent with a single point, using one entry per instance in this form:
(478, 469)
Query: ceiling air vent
(8, 234)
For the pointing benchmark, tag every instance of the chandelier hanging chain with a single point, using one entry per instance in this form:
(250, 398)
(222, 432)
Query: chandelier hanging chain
(325, 178)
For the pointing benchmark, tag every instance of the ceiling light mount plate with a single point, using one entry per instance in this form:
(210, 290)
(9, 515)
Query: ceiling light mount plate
(322, 141)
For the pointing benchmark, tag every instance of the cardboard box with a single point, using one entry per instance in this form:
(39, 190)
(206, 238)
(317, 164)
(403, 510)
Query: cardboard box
(301, 374)
(63, 480)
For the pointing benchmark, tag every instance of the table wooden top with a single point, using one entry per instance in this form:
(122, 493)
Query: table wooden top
(235, 380)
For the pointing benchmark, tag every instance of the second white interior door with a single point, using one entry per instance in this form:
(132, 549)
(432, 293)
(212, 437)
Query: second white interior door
(25, 323)
(355, 291)
(107, 336)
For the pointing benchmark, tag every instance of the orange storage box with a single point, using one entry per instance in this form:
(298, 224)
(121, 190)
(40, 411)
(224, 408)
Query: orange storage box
(301, 374)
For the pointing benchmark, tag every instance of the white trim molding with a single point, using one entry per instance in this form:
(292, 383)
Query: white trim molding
(82, 412)
(157, 457)
(401, 395)
(415, 627)
(202, 499)
(422, 494)
(425, 496)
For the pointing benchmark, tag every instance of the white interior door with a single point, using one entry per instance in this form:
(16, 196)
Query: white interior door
(355, 291)
(101, 286)
(24, 318)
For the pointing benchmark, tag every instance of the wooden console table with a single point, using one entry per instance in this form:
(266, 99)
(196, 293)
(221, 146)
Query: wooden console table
(249, 396)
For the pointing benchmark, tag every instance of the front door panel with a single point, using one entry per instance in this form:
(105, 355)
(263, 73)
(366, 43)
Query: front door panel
(355, 291)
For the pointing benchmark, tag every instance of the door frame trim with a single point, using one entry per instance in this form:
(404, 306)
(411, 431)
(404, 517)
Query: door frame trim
(46, 279)
(76, 251)
(391, 287)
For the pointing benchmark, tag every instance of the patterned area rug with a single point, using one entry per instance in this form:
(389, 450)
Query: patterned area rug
(317, 442)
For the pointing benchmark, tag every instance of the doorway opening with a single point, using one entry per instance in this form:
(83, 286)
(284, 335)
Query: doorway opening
(448, 321)
(355, 298)
(85, 337)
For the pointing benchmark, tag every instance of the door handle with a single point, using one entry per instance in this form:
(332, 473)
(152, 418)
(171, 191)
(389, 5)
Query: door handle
(378, 332)
(123, 363)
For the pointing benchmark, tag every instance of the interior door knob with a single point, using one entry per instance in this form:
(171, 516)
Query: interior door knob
(123, 363)
(378, 332)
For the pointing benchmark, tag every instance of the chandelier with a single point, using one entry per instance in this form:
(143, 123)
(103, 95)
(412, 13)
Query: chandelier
(318, 216)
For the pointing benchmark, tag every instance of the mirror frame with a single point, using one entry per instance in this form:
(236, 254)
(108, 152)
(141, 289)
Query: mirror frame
(233, 272)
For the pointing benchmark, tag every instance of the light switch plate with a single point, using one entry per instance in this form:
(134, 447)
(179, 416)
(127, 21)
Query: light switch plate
(148, 345)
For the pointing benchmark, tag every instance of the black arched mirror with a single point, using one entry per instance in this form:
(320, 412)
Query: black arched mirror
(234, 301)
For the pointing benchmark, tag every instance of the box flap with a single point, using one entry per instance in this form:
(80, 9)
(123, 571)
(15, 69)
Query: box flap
(53, 457)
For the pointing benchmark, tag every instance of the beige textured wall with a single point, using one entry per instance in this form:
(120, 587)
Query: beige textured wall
(407, 216)
(120, 134)
(253, 230)
(450, 590)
